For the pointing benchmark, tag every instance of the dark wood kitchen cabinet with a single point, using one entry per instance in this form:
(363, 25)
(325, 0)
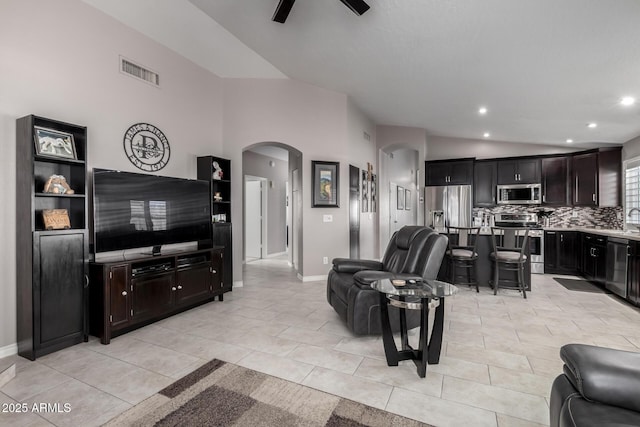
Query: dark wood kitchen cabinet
(556, 181)
(594, 257)
(561, 252)
(597, 178)
(51, 267)
(485, 179)
(585, 179)
(128, 294)
(449, 172)
(519, 171)
(633, 274)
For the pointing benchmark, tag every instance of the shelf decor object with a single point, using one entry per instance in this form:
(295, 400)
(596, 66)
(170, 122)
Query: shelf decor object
(325, 179)
(54, 143)
(56, 219)
(51, 236)
(57, 184)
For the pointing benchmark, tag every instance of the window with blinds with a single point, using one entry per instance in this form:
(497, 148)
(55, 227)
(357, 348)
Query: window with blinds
(632, 192)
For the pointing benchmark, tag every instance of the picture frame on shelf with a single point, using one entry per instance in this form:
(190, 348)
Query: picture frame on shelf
(54, 143)
(400, 198)
(407, 199)
(325, 178)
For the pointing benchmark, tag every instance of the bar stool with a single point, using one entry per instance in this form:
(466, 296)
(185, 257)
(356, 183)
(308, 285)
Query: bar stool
(463, 255)
(509, 255)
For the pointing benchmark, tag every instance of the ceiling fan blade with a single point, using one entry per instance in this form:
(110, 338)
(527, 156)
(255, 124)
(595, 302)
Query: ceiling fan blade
(282, 11)
(357, 6)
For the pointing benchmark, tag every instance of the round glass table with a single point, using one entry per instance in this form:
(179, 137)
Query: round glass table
(420, 295)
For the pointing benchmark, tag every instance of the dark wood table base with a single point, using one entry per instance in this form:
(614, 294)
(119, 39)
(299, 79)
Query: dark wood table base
(428, 351)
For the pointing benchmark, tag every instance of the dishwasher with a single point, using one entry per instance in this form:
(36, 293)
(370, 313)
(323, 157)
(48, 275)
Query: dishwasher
(617, 261)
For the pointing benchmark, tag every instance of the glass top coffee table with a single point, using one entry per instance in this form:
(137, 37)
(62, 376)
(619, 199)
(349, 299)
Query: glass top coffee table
(420, 295)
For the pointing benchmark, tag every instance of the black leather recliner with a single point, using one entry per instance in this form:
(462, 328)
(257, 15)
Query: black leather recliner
(413, 252)
(600, 387)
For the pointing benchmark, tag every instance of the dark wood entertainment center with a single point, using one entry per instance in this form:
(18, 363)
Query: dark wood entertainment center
(128, 294)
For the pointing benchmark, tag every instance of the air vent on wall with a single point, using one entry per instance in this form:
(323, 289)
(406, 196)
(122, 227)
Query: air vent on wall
(139, 72)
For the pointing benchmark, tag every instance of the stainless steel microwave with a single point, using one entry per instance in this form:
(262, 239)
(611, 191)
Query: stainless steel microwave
(519, 194)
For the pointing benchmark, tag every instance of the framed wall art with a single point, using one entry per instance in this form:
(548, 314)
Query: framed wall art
(54, 143)
(365, 193)
(374, 192)
(325, 178)
(407, 199)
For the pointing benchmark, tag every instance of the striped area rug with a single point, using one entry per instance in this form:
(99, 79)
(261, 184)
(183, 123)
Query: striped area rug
(224, 394)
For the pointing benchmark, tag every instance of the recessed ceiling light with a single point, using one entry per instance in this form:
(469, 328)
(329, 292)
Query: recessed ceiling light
(627, 101)
(592, 125)
(486, 134)
(482, 110)
(569, 141)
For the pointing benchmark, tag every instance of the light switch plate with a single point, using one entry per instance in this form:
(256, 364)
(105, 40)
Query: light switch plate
(327, 218)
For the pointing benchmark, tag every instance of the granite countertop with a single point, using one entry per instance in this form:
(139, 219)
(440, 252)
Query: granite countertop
(630, 235)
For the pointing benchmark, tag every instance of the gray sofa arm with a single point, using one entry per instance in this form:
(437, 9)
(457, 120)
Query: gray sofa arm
(604, 375)
(347, 265)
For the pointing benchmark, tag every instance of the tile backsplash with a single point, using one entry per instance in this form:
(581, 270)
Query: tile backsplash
(609, 218)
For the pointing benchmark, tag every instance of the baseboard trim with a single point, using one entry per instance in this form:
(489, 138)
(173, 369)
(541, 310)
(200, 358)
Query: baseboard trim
(8, 350)
(238, 284)
(312, 278)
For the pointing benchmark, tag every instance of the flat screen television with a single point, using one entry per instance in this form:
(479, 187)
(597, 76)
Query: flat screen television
(132, 210)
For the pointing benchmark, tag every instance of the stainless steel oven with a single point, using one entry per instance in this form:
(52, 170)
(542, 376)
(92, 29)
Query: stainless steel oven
(536, 246)
(536, 236)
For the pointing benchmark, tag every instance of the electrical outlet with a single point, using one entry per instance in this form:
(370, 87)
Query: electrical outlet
(325, 260)
(574, 214)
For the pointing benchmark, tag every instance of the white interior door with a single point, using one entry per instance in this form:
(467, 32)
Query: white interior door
(253, 220)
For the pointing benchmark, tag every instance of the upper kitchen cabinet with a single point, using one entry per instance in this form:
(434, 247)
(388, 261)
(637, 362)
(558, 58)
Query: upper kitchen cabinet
(485, 178)
(596, 178)
(519, 171)
(555, 181)
(449, 172)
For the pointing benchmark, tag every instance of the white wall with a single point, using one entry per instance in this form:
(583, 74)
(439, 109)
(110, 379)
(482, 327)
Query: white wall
(258, 165)
(310, 119)
(390, 139)
(631, 149)
(60, 60)
(363, 151)
(439, 147)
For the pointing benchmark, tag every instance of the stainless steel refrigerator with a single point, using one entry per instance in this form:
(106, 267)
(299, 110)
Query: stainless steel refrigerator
(448, 206)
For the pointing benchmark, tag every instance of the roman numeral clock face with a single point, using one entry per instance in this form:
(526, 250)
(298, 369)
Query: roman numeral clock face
(146, 147)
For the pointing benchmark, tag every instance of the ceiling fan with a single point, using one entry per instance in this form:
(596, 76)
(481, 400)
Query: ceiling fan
(284, 7)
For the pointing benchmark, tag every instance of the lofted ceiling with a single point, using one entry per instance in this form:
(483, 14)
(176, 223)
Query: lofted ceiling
(543, 68)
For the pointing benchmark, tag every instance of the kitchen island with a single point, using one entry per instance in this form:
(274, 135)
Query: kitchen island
(484, 265)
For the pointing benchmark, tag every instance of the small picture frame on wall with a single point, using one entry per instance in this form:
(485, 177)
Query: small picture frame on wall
(374, 193)
(54, 143)
(407, 199)
(400, 197)
(365, 195)
(325, 178)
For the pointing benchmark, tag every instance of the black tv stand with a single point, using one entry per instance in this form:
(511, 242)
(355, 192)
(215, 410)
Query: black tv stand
(127, 294)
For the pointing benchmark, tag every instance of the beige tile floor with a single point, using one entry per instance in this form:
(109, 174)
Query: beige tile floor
(499, 357)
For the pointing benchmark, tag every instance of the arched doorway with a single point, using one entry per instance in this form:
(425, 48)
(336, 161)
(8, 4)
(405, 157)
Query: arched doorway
(272, 203)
